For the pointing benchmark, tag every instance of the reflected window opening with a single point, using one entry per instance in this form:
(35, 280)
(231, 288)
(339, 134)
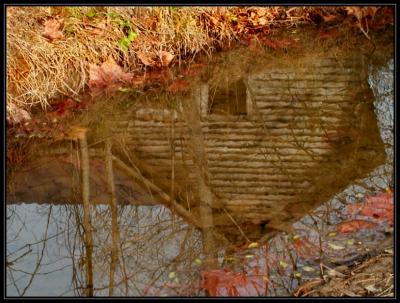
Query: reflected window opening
(228, 100)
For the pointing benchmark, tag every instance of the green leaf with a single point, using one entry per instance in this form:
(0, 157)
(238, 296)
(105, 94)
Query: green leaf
(91, 14)
(132, 36)
(124, 44)
(198, 261)
(113, 15)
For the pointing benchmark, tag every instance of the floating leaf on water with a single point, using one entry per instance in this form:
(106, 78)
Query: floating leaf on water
(249, 256)
(253, 245)
(296, 237)
(172, 275)
(332, 234)
(355, 225)
(350, 242)
(308, 269)
(335, 247)
(297, 274)
(283, 264)
(198, 261)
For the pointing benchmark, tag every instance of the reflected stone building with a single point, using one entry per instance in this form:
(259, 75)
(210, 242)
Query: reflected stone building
(278, 141)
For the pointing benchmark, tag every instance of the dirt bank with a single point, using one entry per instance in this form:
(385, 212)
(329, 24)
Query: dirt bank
(371, 276)
(55, 52)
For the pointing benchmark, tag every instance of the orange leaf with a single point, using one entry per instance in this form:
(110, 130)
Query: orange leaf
(166, 58)
(355, 225)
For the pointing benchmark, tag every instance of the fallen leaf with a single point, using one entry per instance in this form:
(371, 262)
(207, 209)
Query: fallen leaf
(335, 247)
(371, 288)
(146, 58)
(172, 275)
(308, 269)
(198, 261)
(166, 58)
(253, 245)
(107, 74)
(379, 207)
(17, 114)
(283, 264)
(224, 282)
(52, 29)
(355, 225)
(306, 249)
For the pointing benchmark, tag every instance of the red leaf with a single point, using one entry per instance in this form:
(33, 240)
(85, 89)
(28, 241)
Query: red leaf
(355, 225)
(223, 282)
(306, 249)
(379, 207)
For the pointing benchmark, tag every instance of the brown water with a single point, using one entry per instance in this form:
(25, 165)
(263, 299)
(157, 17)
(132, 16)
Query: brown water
(151, 191)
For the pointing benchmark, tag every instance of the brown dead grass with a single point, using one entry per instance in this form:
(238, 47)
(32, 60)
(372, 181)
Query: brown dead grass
(40, 70)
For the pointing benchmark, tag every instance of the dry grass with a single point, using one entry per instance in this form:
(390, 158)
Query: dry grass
(40, 70)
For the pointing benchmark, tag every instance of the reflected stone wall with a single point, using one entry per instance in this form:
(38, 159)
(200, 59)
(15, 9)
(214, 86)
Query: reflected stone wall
(278, 142)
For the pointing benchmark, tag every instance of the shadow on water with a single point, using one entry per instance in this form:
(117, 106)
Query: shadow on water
(252, 159)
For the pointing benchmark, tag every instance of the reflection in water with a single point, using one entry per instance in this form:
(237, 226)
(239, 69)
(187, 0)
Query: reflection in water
(240, 159)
